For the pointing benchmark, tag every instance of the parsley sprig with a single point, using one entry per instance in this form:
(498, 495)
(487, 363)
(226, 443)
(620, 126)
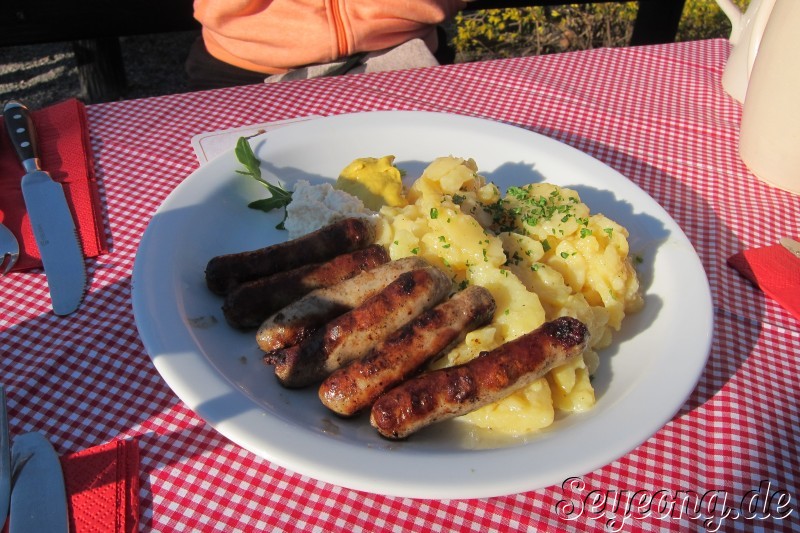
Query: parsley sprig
(280, 197)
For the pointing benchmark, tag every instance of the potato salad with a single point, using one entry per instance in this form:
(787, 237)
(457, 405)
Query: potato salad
(541, 253)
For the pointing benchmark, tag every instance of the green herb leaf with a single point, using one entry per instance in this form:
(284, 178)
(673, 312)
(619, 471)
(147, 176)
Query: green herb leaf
(245, 155)
(280, 197)
(266, 204)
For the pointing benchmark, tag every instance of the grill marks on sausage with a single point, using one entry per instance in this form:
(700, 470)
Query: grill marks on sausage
(353, 334)
(225, 272)
(302, 317)
(356, 386)
(493, 375)
(250, 303)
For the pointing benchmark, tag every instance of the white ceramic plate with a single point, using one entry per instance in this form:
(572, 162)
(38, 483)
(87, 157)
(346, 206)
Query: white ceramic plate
(644, 378)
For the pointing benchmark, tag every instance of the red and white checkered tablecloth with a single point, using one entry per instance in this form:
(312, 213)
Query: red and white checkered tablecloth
(657, 114)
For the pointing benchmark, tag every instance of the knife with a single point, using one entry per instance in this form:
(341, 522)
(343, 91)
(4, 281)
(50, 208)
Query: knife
(38, 496)
(51, 220)
(791, 245)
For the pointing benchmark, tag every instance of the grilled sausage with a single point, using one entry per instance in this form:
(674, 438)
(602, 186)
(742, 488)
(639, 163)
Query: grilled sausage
(297, 320)
(249, 304)
(353, 334)
(224, 272)
(493, 375)
(404, 352)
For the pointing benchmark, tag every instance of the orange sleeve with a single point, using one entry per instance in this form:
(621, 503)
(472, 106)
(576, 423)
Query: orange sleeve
(273, 36)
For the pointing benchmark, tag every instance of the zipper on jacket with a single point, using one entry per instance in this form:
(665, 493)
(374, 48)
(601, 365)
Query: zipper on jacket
(338, 27)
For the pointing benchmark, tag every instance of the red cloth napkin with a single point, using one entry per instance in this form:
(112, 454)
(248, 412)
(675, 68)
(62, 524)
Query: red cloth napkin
(775, 270)
(66, 154)
(103, 487)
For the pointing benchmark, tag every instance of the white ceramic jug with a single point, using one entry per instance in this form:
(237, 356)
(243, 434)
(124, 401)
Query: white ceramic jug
(769, 141)
(746, 31)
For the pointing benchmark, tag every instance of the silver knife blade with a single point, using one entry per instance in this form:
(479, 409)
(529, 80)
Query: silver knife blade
(51, 220)
(38, 496)
(791, 245)
(5, 460)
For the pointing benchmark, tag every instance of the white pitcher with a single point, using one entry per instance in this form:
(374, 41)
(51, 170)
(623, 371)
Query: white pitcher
(746, 31)
(769, 141)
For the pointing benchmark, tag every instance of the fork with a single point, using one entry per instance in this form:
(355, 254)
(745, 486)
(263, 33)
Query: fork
(9, 249)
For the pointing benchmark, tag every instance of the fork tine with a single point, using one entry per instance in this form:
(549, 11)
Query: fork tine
(9, 260)
(9, 248)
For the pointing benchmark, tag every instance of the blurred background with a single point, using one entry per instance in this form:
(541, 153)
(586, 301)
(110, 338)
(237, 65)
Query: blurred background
(44, 74)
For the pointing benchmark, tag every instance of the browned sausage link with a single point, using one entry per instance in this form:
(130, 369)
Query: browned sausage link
(297, 320)
(250, 303)
(353, 334)
(404, 352)
(457, 390)
(226, 271)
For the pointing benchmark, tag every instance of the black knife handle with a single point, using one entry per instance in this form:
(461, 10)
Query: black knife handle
(19, 124)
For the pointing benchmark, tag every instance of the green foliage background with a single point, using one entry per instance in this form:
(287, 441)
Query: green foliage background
(497, 33)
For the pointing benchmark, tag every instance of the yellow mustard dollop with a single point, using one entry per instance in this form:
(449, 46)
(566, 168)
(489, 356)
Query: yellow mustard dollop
(376, 181)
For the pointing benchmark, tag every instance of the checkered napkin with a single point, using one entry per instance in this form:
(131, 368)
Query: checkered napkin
(775, 271)
(103, 488)
(66, 154)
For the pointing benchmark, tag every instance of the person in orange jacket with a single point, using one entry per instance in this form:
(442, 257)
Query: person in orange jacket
(248, 41)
